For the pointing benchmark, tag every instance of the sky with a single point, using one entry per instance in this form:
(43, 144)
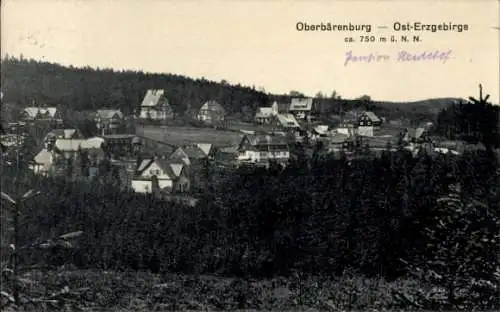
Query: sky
(256, 42)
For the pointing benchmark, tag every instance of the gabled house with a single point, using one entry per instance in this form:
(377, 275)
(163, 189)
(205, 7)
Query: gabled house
(162, 175)
(155, 106)
(68, 155)
(265, 115)
(416, 135)
(369, 119)
(301, 107)
(191, 154)
(109, 121)
(286, 122)
(43, 163)
(122, 144)
(260, 149)
(33, 113)
(211, 113)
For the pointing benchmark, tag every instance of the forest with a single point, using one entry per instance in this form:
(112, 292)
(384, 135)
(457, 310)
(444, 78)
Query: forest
(434, 218)
(83, 89)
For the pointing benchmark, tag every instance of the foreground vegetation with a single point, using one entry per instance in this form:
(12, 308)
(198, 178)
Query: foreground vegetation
(93, 290)
(434, 220)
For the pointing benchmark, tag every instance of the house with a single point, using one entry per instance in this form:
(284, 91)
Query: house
(69, 149)
(301, 107)
(369, 119)
(155, 106)
(339, 142)
(347, 126)
(415, 135)
(265, 115)
(286, 122)
(122, 144)
(109, 121)
(379, 143)
(211, 113)
(56, 134)
(193, 153)
(33, 113)
(260, 149)
(43, 162)
(365, 130)
(56, 157)
(320, 131)
(161, 174)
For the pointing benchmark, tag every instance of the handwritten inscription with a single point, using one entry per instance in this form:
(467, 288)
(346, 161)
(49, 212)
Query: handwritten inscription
(401, 57)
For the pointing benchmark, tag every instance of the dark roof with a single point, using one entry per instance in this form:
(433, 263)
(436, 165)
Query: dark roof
(261, 139)
(194, 152)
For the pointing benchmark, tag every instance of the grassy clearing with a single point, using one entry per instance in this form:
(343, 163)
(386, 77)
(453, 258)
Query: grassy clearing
(185, 135)
(140, 291)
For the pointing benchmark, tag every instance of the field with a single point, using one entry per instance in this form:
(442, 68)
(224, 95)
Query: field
(92, 290)
(185, 135)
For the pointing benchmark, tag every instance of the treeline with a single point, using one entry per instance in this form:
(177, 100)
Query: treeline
(472, 122)
(25, 81)
(80, 89)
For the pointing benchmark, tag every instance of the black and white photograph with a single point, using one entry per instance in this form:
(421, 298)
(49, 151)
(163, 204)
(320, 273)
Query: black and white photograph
(250, 155)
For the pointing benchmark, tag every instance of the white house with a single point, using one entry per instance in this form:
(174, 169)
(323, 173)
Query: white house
(286, 122)
(365, 130)
(43, 162)
(264, 115)
(260, 149)
(155, 106)
(301, 107)
(170, 175)
(32, 113)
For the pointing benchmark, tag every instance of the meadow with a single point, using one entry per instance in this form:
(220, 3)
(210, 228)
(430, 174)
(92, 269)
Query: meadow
(177, 135)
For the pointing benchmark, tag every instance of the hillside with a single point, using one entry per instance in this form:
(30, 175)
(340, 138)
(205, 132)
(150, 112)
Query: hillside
(29, 81)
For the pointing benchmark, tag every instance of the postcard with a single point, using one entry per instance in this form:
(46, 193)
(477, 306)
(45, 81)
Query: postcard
(250, 155)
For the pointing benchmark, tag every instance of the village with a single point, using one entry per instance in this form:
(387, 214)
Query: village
(154, 157)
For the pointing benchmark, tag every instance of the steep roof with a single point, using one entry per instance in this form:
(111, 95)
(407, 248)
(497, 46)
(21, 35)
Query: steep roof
(153, 98)
(415, 133)
(372, 116)
(172, 168)
(180, 154)
(205, 147)
(109, 113)
(288, 120)
(31, 111)
(301, 104)
(50, 110)
(213, 106)
(194, 152)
